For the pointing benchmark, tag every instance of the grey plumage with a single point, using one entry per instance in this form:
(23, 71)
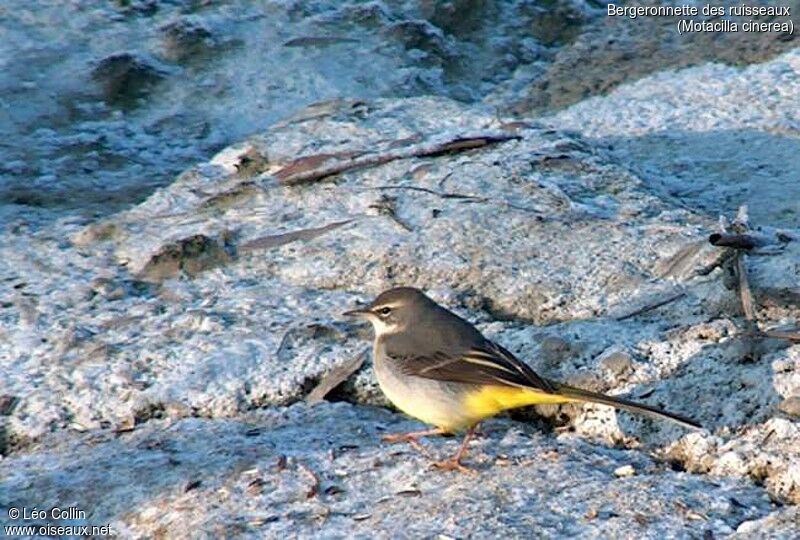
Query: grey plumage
(428, 361)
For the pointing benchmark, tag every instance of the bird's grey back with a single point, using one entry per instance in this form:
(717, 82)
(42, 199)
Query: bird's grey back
(435, 329)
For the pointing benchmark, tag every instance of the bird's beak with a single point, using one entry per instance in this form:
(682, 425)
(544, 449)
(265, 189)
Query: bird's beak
(357, 312)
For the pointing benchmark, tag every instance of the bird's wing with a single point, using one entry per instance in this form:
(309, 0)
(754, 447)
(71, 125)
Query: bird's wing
(488, 363)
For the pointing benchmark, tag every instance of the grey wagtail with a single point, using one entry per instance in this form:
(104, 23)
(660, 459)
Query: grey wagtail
(437, 367)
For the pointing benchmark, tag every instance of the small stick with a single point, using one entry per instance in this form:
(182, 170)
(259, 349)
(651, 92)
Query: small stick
(275, 240)
(746, 297)
(794, 337)
(314, 489)
(651, 307)
(735, 241)
(754, 244)
(387, 206)
(313, 168)
(740, 222)
(740, 226)
(724, 256)
(745, 294)
(284, 341)
(680, 261)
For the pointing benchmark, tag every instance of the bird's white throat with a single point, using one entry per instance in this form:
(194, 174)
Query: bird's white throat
(382, 328)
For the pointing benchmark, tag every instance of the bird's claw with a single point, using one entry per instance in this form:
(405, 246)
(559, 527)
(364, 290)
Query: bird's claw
(454, 464)
(398, 438)
(410, 439)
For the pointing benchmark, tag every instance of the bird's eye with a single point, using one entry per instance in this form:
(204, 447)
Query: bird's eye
(385, 311)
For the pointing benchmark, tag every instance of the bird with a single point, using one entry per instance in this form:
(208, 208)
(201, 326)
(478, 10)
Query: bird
(438, 368)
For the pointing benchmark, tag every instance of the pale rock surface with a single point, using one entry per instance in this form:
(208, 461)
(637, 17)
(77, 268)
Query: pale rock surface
(222, 293)
(322, 472)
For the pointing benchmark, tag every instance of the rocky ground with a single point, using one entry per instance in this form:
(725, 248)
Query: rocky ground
(157, 358)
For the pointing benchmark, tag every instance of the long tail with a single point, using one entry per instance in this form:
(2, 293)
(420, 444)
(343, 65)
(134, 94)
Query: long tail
(619, 403)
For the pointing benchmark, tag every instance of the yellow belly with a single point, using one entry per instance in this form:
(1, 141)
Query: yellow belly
(453, 407)
(490, 400)
(448, 405)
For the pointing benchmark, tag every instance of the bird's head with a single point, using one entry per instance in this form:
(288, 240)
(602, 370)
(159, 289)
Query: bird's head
(393, 310)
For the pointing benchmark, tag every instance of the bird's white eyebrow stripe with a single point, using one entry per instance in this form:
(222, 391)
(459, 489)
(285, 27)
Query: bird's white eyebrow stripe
(393, 305)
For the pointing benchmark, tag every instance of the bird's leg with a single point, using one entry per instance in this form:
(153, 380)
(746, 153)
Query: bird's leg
(412, 438)
(454, 463)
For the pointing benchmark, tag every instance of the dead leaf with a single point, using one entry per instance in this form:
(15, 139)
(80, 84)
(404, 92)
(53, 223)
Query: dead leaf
(335, 377)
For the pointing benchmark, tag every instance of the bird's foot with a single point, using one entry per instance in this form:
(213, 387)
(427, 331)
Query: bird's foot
(411, 438)
(400, 437)
(454, 464)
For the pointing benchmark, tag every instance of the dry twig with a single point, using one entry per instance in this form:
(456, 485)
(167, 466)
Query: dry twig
(794, 337)
(275, 240)
(316, 167)
(738, 240)
(740, 227)
(745, 293)
(734, 241)
(651, 307)
(313, 491)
